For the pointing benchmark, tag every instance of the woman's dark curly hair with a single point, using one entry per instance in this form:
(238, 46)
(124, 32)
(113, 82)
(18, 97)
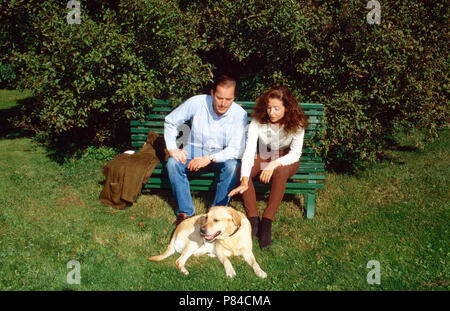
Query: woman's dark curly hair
(294, 117)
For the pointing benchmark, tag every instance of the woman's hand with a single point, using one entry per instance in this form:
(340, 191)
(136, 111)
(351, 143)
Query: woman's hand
(266, 173)
(241, 188)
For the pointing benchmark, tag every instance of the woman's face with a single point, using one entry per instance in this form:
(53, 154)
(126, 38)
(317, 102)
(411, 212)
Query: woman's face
(275, 110)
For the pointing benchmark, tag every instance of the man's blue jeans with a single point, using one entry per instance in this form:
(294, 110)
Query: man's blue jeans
(178, 175)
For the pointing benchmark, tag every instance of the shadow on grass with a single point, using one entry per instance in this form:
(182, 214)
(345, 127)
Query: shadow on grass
(11, 126)
(22, 120)
(295, 199)
(394, 146)
(166, 195)
(354, 165)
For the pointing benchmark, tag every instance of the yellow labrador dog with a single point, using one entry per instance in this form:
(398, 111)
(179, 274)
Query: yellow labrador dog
(222, 232)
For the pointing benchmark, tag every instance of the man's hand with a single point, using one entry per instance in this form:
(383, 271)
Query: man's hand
(241, 188)
(197, 163)
(179, 155)
(266, 173)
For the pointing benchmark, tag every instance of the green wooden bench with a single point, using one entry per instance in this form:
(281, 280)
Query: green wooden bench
(306, 181)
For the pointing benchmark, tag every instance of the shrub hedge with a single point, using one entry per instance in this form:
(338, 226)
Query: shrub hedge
(90, 78)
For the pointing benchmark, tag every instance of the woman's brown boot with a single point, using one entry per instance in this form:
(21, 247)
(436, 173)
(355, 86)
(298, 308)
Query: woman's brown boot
(265, 232)
(254, 221)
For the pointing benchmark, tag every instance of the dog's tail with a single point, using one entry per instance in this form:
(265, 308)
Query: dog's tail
(169, 251)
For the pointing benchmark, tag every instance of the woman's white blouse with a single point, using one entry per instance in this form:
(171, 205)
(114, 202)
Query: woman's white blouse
(273, 139)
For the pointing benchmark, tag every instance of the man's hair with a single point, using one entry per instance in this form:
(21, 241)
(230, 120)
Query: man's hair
(224, 80)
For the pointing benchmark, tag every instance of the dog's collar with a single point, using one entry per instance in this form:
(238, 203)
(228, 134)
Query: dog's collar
(237, 228)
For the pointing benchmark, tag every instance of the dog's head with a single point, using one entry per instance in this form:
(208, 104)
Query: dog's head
(220, 222)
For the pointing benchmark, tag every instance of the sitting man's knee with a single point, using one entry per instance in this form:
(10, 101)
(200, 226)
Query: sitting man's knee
(173, 164)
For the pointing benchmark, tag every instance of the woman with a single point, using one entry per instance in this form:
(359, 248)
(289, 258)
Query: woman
(278, 125)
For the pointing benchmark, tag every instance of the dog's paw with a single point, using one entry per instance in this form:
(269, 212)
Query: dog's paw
(184, 271)
(231, 273)
(261, 274)
(181, 268)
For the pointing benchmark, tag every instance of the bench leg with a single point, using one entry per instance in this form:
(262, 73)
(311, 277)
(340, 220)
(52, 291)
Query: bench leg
(310, 199)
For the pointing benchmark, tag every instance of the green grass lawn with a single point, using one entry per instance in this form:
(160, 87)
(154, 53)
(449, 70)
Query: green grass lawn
(9, 98)
(397, 212)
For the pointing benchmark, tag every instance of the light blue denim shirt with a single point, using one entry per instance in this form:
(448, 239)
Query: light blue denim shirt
(223, 136)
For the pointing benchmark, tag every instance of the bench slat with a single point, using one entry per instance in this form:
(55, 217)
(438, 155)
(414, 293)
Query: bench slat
(211, 183)
(147, 188)
(143, 137)
(142, 126)
(138, 144)
(159, 172)
(303, 169)
(145, 127)
(243, 103)
(162, 109)
(307, 164)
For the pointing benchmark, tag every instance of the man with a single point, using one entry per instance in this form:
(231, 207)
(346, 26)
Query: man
(215, 142)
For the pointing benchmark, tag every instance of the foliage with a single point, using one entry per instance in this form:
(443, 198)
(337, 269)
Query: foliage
(374, 80)
(7, 74)
(90, 79)
(95, 154)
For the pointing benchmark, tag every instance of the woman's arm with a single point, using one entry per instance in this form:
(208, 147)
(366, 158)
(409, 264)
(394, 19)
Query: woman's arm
(296, 149)
(250, 150)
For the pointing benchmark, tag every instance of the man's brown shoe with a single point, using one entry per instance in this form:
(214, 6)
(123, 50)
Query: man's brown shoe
(180, 218)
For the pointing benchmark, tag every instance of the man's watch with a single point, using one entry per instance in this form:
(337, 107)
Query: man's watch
(211, 157)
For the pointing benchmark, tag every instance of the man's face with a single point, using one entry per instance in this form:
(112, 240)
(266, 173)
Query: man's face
(222, 99)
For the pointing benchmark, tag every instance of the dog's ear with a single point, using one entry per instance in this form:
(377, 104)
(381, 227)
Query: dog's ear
(201, 220)
(236, 216)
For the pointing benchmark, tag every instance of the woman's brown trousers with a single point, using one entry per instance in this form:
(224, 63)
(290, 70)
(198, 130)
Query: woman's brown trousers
(279, 178)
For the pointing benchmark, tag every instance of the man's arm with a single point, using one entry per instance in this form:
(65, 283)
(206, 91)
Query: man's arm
(233, 150)
(171, 122)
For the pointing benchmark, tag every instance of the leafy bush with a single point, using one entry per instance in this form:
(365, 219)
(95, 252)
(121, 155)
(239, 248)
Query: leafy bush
(7, 74)
(95, 154)
(91, 79)
(374, 80)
